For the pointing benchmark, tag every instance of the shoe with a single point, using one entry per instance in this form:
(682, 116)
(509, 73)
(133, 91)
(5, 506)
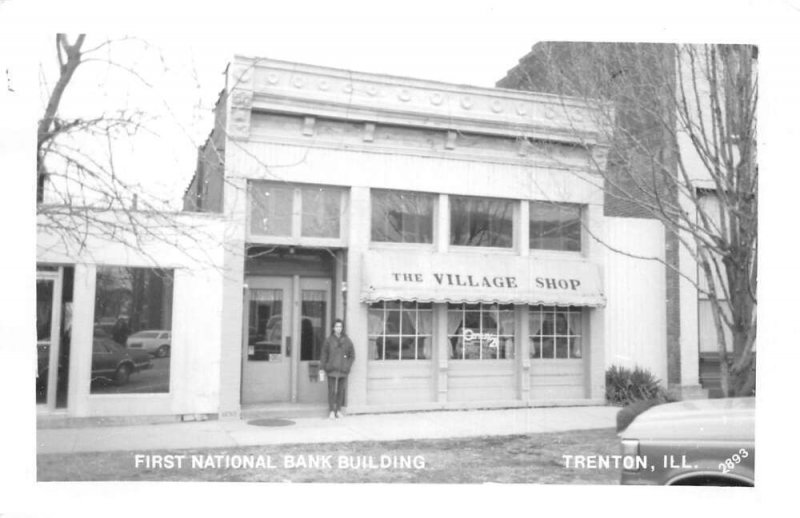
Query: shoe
(332, 415)
(341, 413)
(338, 415)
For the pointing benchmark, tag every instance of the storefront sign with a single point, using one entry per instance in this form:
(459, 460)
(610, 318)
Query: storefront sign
(471, 278)
(492, 340)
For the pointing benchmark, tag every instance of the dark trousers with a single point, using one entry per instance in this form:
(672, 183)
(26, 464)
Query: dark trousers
(336, 388)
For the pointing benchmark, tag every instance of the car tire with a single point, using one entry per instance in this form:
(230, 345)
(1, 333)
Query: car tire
(162, 351)
(123, 374)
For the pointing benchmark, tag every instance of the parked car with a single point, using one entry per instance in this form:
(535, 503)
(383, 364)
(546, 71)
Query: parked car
(110, 360)
(692, 443)
(113, 362)
(154, 341)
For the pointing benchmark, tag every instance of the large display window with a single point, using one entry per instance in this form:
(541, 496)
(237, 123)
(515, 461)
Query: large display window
(132, 342)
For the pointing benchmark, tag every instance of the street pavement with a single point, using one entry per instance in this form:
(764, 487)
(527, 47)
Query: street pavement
(362, 427)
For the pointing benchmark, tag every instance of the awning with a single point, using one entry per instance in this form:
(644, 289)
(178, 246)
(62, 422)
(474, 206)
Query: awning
(476, 277)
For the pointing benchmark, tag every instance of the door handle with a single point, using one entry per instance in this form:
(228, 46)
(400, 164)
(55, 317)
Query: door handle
(288, 346)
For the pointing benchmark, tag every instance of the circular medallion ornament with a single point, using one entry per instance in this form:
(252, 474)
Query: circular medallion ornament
(549, 114)
(467, 103)
(348, 88)
(298, 82)
(404, 95)
(522, 110)
(272, 78)
(497, 106)
(372, 91)
(437, 99)
(324, 85)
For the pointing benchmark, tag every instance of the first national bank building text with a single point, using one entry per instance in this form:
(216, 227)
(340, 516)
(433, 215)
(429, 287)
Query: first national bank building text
(449, 226)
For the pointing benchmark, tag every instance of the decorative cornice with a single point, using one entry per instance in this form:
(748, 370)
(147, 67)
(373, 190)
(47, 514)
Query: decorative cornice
(270, 85)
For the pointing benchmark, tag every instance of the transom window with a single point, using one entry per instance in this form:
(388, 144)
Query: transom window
(283, 210)
(402, 217)
(480, 331)
(481, 222)
(400, 330)
(555, 226)
(555, 332)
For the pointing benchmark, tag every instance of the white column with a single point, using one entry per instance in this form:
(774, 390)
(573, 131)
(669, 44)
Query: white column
(80, 355)
(235, 207)
(356, 316)
(596, 350)
(522, 354)
(442, 346)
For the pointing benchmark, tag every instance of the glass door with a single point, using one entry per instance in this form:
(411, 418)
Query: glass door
(48, 325)
(266, 369)
(315, 326)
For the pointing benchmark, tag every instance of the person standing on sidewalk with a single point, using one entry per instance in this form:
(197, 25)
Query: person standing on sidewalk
(336, 359)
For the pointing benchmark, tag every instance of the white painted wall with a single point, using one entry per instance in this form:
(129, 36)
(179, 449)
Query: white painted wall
(197, 306)
(403, 172)
(635, 327)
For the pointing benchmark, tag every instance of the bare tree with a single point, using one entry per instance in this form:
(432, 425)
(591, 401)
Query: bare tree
(80, 191)
(682, 121)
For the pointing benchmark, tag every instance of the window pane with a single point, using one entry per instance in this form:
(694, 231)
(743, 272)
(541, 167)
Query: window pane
(425, 320)
(321, 211)
(407, 351)
(375, 322)
(561, 324)
(507, 323)
(401, 217)
(270, 209)
(128, 301)
(536, 346)
(409, 323)
(312, 324)
(574, 322)
(561, 347)
(392, 323)
(265, 326)
(481, 222)
(575, 350)
(548, 347)
(392, 348)
(555, 226)
(423, 348)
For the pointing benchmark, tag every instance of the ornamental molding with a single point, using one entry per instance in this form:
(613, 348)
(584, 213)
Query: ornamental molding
(308, 90)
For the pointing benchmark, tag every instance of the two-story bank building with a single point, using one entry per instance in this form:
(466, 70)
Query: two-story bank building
(449, 226)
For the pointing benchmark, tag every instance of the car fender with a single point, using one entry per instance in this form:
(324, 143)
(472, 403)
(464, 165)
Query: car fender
(688, 475)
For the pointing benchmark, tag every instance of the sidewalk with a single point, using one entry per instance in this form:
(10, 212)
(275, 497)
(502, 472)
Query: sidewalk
(369, 427)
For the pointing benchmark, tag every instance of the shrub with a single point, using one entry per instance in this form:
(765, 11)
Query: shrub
(625, 386)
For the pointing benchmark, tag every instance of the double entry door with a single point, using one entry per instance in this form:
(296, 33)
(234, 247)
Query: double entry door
(286, 322)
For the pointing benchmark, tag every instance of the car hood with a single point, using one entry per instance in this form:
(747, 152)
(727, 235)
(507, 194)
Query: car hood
(729, 419)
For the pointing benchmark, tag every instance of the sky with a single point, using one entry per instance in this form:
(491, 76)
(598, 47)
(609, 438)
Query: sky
(179, 55)
(458, 42)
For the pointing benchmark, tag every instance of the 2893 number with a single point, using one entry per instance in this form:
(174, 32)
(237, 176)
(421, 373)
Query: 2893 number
(733, 460)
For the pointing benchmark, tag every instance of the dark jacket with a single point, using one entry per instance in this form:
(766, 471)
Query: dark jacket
(337, 356)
